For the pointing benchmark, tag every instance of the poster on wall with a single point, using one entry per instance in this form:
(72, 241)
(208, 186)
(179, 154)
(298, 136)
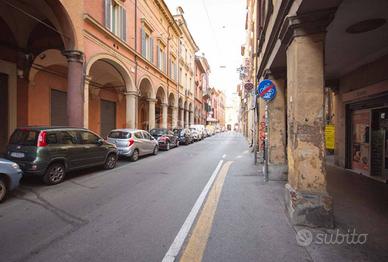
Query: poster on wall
(360, 140)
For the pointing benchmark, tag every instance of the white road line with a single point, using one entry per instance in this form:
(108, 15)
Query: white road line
(224, 155)
(176, 246)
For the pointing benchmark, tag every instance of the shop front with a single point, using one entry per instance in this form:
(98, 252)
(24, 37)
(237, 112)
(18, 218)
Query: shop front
(367, 137)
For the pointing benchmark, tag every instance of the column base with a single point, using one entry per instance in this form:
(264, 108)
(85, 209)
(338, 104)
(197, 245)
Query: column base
(277, 172)
(307, 209)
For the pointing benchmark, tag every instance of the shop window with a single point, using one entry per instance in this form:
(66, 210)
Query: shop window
(116, 18)
(360, 140)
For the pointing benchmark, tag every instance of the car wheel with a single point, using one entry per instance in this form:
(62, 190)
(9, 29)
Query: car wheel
(54, 174)
(135, 155)
(3, 190)
(110, 161)
(156, 150)
(168, 146)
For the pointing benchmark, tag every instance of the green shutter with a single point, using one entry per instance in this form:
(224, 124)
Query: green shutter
(123, 24)
(143, 43)
(151, 50)
(107, 10)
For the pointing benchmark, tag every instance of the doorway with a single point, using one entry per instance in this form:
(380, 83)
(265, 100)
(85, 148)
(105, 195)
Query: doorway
(108, 117)
(3, 112)
(58, 108)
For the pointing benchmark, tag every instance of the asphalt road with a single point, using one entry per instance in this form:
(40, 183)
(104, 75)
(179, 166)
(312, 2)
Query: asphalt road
(131, 213)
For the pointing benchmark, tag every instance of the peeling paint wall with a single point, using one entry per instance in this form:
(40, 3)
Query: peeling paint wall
(305, 114)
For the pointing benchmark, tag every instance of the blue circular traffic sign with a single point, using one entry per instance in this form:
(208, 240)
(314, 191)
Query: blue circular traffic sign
(267, 90)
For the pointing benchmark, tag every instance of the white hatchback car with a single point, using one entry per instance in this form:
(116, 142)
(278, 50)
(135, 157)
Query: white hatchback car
(133, 143)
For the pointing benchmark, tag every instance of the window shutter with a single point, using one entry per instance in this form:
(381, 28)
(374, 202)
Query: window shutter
(123, 24)
(151, 49)
(158, 57)
(107, 9)
(165, 62)
(143, 43)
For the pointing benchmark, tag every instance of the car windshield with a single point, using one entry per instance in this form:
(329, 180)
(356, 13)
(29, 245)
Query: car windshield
(179, 132)
(158, 132)
(119, 135)
(24, 137)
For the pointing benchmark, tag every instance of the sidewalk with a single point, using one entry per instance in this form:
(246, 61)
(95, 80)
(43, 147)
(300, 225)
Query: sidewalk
(251, 225)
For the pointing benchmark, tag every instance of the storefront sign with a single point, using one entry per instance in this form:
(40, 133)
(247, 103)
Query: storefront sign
(330, 136)
(267, 90)
(365, 92)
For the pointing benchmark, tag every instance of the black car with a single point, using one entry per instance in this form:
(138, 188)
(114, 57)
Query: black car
(165, 137)
(50, 152)
(184, 135)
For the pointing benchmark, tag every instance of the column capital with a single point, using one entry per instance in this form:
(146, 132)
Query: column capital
(164, 105)
(152, 100)
(305, 24)
(74, 56)
(131, 93)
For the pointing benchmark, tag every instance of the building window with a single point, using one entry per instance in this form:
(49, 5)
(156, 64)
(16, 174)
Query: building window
(147, 44)
(162, 57)
(174, 68)
(180, 75)
(116, 18)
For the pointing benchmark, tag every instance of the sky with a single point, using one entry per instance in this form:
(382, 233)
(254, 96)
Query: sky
(218, 28)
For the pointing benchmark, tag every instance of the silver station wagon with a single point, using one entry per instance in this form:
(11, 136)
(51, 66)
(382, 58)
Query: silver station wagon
(133, 143)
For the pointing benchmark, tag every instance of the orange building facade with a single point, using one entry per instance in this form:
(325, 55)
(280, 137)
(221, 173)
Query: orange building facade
(100, 64)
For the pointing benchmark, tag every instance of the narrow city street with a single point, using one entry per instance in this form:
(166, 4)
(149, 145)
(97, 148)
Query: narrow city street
(131, 213)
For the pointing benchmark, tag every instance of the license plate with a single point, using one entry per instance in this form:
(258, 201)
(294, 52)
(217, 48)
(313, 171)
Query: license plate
(17, 155)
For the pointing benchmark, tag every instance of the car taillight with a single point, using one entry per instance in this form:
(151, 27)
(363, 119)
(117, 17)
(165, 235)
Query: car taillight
(130, 142)
(42, 139)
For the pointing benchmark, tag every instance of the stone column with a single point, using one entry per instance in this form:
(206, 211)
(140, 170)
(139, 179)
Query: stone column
(182, 123)
(130, 99)
(174, 117)
(307, 200)
(151, 113)
(86, 101)
(187, 124)
(75, 88)
(164, 115)
(277, 127)
(191, 118)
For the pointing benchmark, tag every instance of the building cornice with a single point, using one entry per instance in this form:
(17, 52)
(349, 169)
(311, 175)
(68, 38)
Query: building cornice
(167, 14)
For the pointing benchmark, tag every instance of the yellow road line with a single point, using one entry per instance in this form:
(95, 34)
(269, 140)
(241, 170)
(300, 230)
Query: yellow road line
(197, 242)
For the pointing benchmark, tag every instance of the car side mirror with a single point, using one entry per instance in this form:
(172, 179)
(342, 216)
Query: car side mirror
(100, 141)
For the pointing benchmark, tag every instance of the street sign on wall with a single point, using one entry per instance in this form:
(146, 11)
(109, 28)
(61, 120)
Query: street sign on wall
(330, 136)
(248, 86)
(267, 90)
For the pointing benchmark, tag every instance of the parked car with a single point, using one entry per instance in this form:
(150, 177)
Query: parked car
(10, 175)
(200, 129)
(195, 133)
(133, 143)
(50, 152)
(184, 135)
(166, 138)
